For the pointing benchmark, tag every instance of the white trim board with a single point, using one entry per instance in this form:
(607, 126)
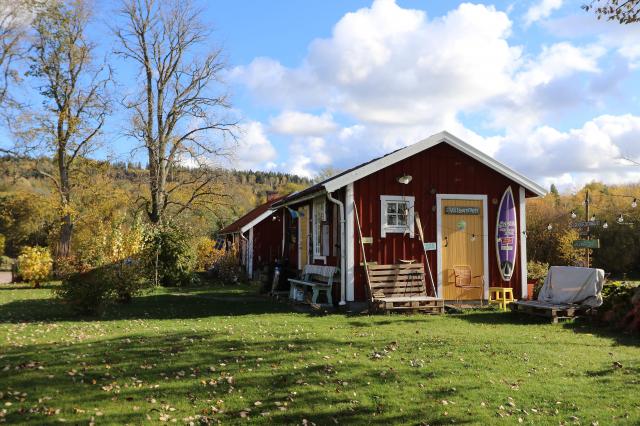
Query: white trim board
(485, 235)
(257, 220)
(446, 137)
(523, 243)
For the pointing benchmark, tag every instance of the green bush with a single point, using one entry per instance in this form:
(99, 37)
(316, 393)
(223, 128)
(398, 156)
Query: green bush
(617, 302)
(537, 271)
(35, 264)
(127, 278)
(227, 268)
(171, 256)
(88, 291)
(3, 241)
(6, 263)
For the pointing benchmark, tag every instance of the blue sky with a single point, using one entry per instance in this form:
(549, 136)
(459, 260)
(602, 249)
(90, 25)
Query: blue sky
(541, 85)
(538, 84)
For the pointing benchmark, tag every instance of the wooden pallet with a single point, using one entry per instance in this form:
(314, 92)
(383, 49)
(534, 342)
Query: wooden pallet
(429, 305)
(554, 312)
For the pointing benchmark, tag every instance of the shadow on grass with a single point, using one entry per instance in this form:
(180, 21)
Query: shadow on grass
(196, 303)
(499, 318)
(191, 371)
(579, 325)
(27, 286)
(619, 337)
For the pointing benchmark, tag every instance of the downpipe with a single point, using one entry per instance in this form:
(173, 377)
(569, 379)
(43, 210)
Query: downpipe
(343, 247)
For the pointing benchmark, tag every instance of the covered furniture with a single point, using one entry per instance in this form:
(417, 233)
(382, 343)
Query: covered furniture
(316, 277)
(567, 291)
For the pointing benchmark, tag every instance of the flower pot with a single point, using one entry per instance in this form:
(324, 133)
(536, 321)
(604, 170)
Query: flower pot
(530, 286)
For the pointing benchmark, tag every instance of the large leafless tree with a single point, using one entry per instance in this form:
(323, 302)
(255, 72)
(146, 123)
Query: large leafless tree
(623, 11)
(15, 18)
(180, 110)
(74, 90)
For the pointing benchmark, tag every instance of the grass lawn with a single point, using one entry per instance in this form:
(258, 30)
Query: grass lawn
(224, 354)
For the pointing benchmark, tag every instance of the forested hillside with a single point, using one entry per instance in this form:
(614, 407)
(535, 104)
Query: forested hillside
(111, 193)
(553, 225)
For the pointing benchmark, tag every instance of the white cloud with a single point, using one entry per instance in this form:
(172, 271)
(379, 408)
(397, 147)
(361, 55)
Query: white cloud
(541, 10)
(308, 156)
(579, 155)
(254, 150)
(397, 76)
(297, 123)
(386, 65)
(389, 65)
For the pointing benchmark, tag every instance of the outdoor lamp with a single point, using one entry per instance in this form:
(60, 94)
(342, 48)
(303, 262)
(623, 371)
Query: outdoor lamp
(620, 218)
(573, 214)
(634, 203)
(593, 218)
(605, 225)
(404, 179)
(549, 227)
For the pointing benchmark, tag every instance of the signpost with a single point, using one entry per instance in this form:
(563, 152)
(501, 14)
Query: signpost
(587, 244)
(585, 224)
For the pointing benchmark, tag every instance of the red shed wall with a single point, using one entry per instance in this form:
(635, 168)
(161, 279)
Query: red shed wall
(447, 171)
(267, 240)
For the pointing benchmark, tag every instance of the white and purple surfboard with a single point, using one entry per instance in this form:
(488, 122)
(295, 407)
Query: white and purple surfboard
(506, 235)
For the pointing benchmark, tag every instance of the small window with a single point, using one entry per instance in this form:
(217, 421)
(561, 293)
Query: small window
(397, 214)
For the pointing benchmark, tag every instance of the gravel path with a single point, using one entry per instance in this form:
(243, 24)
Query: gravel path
(5, 277)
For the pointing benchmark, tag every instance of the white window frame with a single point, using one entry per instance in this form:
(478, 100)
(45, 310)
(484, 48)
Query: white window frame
(387, 229)
(319, 206)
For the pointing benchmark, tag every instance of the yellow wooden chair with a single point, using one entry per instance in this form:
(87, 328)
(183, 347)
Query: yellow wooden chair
(464, 281)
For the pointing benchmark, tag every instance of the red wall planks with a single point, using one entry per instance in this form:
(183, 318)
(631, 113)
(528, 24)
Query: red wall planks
(267, 240)
(441, 169)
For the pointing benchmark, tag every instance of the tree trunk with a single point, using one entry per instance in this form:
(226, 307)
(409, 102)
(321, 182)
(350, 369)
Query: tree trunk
(66, 228)
(64, 243)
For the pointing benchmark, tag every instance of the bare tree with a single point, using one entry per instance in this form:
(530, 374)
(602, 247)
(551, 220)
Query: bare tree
(179, 113)
(623, 11)
(75, 99)
(14, 24)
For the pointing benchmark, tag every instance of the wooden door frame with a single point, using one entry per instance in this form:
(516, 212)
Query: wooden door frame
(300, 217)
(485, 235)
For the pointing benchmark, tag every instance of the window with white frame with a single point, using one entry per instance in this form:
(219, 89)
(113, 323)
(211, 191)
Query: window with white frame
(319, 216)
(397, 214)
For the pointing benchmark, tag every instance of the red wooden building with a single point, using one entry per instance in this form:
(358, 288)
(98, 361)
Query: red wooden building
(455, 189)
(258, 235)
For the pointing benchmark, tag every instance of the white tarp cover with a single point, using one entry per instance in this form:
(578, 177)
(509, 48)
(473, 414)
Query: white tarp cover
(569, 284)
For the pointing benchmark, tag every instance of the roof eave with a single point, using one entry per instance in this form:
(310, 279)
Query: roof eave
(444, 136)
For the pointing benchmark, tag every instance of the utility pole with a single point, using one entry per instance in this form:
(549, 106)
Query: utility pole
(587, 219)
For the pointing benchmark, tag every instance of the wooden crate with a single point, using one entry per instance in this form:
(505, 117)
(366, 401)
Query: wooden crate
(553, 312)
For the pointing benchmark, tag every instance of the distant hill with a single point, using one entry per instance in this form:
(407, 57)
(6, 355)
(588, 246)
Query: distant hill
(28, 198)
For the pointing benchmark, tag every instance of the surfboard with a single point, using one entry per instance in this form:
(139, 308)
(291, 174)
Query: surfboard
(506, 235)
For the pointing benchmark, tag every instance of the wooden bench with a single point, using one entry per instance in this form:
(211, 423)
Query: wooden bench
(318, 278)
(401, 287)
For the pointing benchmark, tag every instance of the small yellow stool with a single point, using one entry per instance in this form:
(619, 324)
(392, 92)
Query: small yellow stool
(501, 295)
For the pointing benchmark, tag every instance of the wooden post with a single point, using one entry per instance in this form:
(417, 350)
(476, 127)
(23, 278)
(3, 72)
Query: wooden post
(364, 256)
